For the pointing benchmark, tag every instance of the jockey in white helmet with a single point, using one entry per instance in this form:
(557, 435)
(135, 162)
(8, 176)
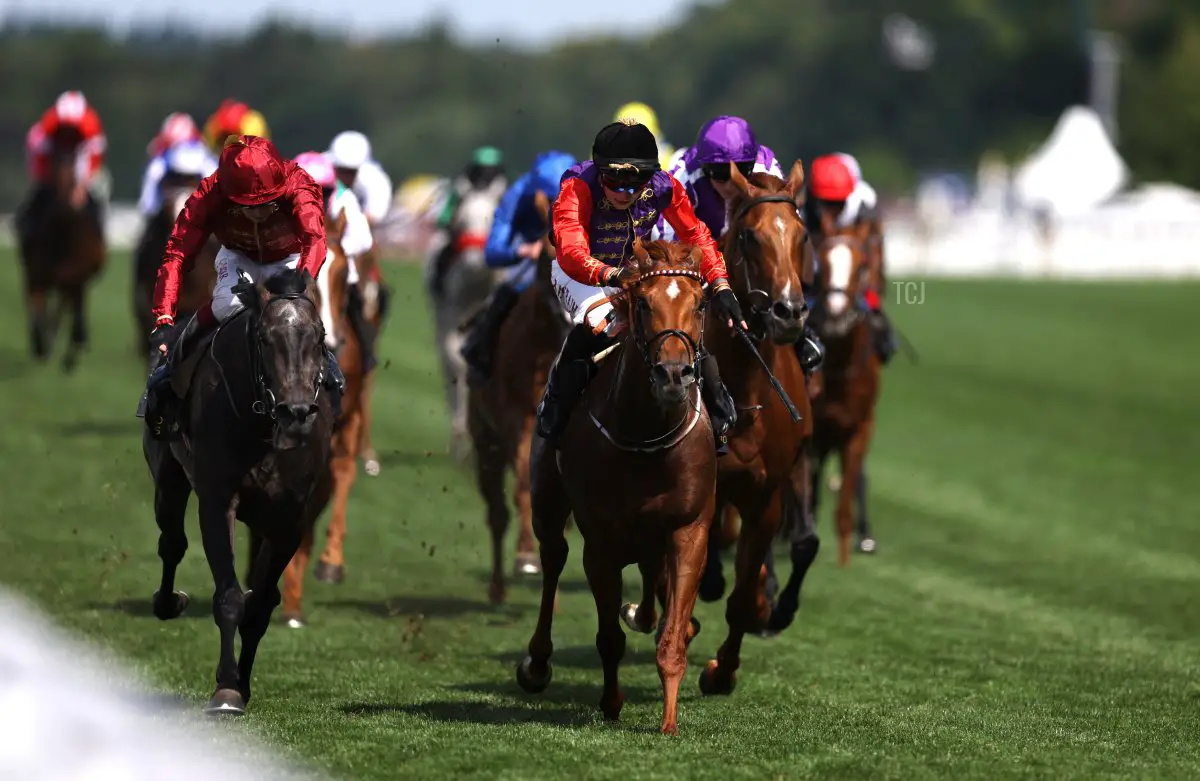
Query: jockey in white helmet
(350, 154)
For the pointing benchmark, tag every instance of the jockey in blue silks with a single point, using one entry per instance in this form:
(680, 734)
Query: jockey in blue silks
(515, 243)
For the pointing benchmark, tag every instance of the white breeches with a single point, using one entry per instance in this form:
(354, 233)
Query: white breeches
(224, 303)
(576, 298)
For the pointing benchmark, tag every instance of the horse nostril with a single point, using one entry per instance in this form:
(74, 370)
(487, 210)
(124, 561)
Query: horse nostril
(660, 374)
(687, 374)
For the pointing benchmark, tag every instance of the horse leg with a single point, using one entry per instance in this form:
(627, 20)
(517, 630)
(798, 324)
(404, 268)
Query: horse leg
(712, 583)
(852, 454)
(293, 580)
(866, 540)
(276, 552)
(760, 523)
(73, 299)
(171, 492)
(550, 510)
(642, 617)
(229, 602)
(604, 578)
(370, 458)
(804, 544)
(685, 562)
(526, 562)
(39, 335)
(344, 464)
(489, 475)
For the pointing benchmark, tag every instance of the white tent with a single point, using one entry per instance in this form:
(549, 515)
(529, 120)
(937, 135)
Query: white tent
(1075, 170)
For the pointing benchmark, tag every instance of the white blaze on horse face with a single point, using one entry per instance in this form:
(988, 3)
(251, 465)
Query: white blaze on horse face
(781, 226)
(673, 290)
(841, 262)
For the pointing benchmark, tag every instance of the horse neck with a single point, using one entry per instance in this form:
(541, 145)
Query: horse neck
(630, 402)
(845, 356)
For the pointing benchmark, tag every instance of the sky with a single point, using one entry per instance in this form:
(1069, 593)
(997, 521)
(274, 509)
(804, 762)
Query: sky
(516, 22)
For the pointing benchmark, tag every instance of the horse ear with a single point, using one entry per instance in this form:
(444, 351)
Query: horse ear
(639, 252)
(795, 180)
(738, 180)
(828, 225)
(696, 256)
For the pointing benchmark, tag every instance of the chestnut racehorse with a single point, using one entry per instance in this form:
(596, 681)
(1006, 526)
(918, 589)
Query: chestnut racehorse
(196, 287)
(343, 457)
(638, 469)
(844, 412)
(62, 252)
(501, 412)
(764, 476)
(374, 295)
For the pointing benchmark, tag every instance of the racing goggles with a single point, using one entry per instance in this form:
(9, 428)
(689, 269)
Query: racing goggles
(719, 172)
(632, 182)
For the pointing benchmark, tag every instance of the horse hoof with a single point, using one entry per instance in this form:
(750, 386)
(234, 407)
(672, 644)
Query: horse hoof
(295, 621)
(165, 611)
(226, 702)
(329, 573)
(527, 565)
(529, 681)
(712, 682)
(629, 616)
(866, 545)
(371, 467)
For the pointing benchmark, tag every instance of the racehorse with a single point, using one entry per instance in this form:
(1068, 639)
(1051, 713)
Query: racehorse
(765, 474)
(844, 412)
(465, 287)
(501, 412)
(62, 251)
(343, 463)
(638, 469)
(256, 441)
(196, 287)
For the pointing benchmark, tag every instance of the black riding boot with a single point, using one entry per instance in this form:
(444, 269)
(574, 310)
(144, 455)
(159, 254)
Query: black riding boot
(159, 405)
(363, 330)
(480, 344)
(568, 379)
(721, 409)
(335, 382)
(883, 337)
(810, 350)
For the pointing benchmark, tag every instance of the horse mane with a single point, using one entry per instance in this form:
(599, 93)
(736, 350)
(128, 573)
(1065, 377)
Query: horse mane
(667, 254)
(288, 283)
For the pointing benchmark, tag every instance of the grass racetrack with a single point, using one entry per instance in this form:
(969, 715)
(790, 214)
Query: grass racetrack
(1033, 611)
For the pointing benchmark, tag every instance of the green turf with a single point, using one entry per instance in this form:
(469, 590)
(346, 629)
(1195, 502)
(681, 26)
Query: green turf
(1032, 612)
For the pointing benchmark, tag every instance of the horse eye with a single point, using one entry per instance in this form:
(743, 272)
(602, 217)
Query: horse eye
(748, 237)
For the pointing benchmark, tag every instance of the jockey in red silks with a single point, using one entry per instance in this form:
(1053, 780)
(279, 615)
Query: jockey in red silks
(71, 125)
(836, 185)
(268, 215)
(604, 204)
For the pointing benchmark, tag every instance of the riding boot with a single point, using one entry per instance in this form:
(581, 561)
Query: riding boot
(363, 330)
(480, 344)
(568, 379)
(159, 405)
(810, 350)
(883, 337)
(720, 405)
(441, 264)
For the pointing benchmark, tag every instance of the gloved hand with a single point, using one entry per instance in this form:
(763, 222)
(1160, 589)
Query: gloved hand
(725, 304)
(159, 338)
(620, 276)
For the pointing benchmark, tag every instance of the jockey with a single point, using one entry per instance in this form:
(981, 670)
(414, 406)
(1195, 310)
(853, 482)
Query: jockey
(187, 161)
(485, 169)
(618, 195)
(703, 169)
(356, 240)
(71, 125)
(233, 118)
(268, 216)
(836, 185)
(515, 242)
(350, 153)
(646, 116)
(177, 127)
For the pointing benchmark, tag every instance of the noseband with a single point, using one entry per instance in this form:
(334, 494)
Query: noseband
(659, 338)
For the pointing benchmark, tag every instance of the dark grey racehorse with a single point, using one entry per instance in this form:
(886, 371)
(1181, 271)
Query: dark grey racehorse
(256, 422)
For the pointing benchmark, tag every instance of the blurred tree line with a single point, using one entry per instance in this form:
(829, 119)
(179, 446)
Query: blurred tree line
(810, 75)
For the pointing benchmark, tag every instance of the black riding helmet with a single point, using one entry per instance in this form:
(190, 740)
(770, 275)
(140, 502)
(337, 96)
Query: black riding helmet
(626, 151)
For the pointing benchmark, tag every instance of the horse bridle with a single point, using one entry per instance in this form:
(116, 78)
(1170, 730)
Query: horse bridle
(823, 293)
(755, 296)
(264, 397)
